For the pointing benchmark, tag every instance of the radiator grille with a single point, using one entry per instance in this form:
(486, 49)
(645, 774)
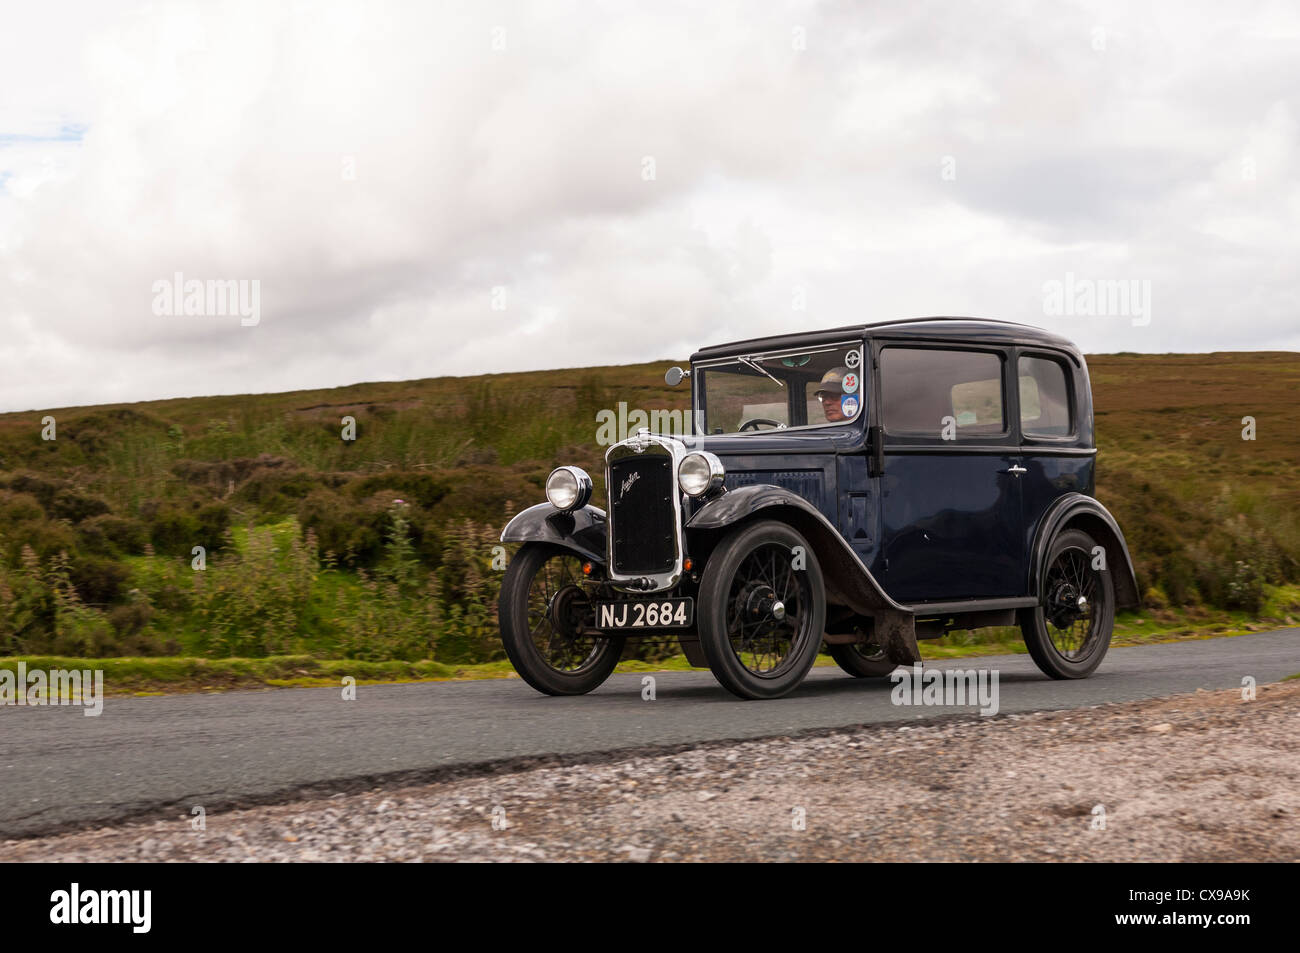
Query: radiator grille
(642, 522)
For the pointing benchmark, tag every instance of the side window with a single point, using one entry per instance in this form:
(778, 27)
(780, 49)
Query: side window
(1044, 398)
(833, 394)
(920, 387)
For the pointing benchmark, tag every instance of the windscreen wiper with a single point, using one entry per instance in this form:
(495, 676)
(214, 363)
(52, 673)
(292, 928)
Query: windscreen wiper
(749, 362)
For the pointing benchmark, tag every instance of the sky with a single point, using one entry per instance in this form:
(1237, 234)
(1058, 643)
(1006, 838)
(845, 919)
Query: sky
(414, 190)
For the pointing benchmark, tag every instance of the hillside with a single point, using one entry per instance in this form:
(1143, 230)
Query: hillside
(380, 547)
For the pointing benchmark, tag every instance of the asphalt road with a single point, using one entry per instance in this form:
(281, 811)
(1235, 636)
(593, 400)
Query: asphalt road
(61, 769)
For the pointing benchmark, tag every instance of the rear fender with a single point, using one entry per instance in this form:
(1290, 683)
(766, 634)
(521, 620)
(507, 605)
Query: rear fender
(1076, 511)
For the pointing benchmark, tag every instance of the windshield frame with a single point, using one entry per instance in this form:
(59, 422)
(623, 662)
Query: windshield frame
(700, 410)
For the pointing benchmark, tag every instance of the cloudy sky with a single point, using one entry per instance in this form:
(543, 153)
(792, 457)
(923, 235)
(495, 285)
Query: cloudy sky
(422, 191)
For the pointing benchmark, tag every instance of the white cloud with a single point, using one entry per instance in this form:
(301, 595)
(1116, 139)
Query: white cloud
(217, 138)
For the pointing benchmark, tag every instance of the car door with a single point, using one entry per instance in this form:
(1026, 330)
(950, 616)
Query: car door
(1055, 442)
(950, 497)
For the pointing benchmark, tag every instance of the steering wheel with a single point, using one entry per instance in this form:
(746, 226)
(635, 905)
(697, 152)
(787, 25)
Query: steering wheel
(755, 421)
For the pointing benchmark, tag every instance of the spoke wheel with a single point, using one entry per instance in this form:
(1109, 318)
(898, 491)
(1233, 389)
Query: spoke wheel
(545, 603)
(1071, 607)
(762, 609)
(1069, 632)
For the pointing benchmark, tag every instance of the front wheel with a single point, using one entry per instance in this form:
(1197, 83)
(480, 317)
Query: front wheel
(545, 599)
(1069, 631)
(762, 610)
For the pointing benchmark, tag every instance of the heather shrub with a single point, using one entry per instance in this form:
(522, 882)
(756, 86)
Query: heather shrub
(254, 603)
(109, 535)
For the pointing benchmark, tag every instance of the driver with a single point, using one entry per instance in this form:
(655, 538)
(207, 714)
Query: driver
(830, 392)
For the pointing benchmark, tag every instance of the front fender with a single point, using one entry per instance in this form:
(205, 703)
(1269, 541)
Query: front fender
(582, 531)
(843, 568)
(1085, 513)
(848, 581)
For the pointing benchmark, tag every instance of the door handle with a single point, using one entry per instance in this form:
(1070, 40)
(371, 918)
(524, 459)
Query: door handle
(1017, 470)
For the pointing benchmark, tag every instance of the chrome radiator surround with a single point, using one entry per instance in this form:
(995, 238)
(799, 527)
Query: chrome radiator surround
(642, 444)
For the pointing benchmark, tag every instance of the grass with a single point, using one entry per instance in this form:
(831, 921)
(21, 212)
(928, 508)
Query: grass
(1281, 608)
(1209, 517)
(149, 676)
(159, 676)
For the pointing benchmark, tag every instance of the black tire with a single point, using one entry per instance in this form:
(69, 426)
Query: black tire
(754, 648)
(1064, 640)
(550, 657)
(862, 660)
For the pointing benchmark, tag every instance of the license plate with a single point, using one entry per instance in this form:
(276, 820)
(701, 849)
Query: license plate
(657, 614)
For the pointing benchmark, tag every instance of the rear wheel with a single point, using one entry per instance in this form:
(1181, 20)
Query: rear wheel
(762, 609)
(545, 599)
(1069, 631)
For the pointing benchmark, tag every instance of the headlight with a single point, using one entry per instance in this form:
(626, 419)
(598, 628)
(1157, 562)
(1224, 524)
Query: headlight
(568, 488)
(699, 473)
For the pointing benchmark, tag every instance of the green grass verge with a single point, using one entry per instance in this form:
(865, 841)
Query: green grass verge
(1138, 628)
(165, 675)
(152, 676)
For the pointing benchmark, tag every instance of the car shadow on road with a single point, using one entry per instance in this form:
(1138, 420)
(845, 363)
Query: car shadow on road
(816, 687)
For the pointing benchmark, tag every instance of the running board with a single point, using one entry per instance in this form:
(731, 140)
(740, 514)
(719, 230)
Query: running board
(925, 610)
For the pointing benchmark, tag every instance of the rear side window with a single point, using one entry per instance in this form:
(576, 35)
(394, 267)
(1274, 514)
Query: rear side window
(1044, 398)
(925, 390)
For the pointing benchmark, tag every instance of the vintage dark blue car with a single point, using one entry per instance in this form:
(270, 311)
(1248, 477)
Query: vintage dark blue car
(862, 487)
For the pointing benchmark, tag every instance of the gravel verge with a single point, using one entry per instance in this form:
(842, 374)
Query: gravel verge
(1202, 777)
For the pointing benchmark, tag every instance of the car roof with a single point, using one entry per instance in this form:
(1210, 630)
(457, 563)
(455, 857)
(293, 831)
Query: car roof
(955, 329)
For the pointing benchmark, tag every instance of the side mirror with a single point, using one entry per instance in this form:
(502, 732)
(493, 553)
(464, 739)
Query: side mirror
(675, 376)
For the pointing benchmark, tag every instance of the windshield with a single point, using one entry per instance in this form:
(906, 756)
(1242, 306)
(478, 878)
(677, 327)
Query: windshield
(757, 392)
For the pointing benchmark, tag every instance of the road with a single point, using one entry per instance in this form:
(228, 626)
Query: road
(148, 755)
